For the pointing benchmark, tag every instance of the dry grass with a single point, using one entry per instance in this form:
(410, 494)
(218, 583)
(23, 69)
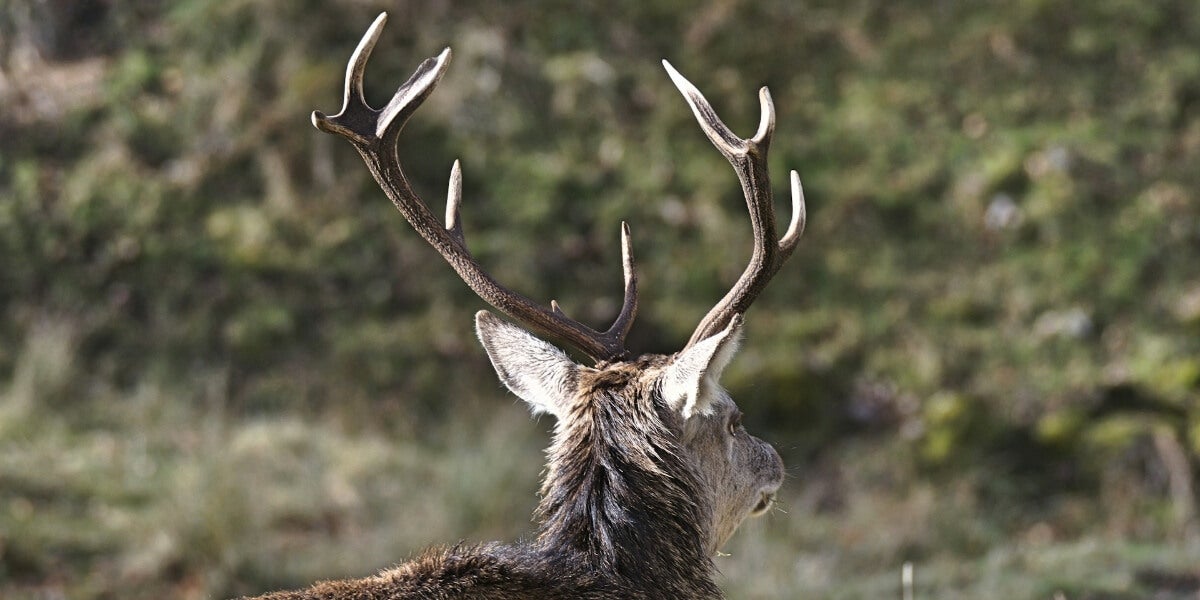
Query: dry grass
(159, 493)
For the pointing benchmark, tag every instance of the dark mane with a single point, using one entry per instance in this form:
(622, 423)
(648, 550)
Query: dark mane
(620, 497)
(619, 517)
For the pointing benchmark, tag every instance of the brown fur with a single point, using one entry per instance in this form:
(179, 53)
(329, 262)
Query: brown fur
(650, 471)
(623, 513)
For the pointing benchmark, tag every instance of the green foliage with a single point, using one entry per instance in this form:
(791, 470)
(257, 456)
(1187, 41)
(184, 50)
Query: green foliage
(998, 293)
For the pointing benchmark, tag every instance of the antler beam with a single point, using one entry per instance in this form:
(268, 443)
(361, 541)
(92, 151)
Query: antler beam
(749, 160)
(374, 133)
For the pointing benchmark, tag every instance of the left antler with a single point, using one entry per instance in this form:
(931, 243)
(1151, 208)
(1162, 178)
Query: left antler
(374, 134)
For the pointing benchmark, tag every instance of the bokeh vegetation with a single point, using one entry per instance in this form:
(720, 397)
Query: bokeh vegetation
(226, 364)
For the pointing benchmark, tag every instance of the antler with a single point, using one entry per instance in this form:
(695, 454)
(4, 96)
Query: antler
(374, 133)
(749, 159)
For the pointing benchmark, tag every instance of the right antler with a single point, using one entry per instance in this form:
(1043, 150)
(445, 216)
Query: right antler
(374, 134)
(749, 159)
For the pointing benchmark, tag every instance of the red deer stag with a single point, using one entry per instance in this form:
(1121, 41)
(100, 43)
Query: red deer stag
(650, 470)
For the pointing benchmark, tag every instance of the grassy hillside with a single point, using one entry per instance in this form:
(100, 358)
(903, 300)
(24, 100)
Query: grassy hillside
(227, 364)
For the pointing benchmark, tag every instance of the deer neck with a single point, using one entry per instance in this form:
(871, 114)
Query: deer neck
(619, 494)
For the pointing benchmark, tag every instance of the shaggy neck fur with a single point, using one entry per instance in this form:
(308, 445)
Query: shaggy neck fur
(620, 496)
(622, 518)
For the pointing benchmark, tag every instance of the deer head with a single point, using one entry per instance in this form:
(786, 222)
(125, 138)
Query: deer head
(650, 470)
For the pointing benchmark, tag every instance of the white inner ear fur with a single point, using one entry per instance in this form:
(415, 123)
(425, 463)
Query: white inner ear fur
(536, 371)
(689, 383)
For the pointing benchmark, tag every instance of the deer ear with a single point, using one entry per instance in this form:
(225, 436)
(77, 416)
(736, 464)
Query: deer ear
(690, 382)
(536, 371)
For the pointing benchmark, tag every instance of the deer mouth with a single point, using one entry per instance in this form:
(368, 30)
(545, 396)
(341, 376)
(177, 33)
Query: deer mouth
(764, 504)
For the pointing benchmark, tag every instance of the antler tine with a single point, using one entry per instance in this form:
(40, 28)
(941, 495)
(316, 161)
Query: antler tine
(749, 160)
(453, 201)
(795, 229)
(374, 133)
(624, 321)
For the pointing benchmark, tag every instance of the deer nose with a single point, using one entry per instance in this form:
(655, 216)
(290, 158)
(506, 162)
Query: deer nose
(775, 472)
(772, 480)
(764, 504)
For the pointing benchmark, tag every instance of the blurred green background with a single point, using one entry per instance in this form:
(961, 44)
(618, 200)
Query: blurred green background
(227, 364)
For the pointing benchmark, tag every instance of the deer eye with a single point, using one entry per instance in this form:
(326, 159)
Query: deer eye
(735, 422)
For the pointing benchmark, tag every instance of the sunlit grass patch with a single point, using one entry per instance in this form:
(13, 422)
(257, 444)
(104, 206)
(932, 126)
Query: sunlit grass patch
(157, 492)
